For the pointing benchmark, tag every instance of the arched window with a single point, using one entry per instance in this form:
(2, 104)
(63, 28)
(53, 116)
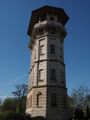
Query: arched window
(39, 100)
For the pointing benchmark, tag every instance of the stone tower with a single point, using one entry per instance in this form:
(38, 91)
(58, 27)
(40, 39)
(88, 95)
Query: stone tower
(47, 94)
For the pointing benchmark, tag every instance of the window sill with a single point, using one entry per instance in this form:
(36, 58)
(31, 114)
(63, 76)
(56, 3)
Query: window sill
(39, 106)
(42, 54)
(40, 80)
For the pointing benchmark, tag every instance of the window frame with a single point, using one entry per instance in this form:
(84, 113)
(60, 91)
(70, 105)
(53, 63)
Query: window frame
(41, 50)
(62, 77)
(40, 70)
(52, 49)
(61, 53)
(52, 18)
(38, 98)
(53, 100)
(41, 47)
(53, 74)
(30, 101)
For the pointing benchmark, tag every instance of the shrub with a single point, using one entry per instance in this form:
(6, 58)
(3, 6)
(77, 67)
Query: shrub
(14, 116)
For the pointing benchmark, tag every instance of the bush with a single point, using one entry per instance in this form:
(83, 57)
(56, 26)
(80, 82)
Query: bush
(8, 115)
(38, 118)
(14, 116)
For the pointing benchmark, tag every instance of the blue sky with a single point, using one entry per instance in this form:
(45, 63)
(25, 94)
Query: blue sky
(14, 52)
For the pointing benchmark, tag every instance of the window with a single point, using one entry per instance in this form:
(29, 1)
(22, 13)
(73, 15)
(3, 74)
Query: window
(34, 55)
(41, 49)
(40, 74)
(52, 32)
(52, 38)
(60, 19)
(39, 99)
(30, 102)
(41, 31)
(41, 46)
(53, 75)
(64, 103)
(43, 17)
(52, 18)
(27, 104)
(62, 77)
(53, 100)
(61, 52)
(52, 49)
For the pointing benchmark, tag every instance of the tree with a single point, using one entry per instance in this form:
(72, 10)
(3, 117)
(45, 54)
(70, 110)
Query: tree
(80, 97)
(20, 94)
(79, 101)
(9, 104)
(0, 105)
(9, 115)
(70, 107)
(0, 101)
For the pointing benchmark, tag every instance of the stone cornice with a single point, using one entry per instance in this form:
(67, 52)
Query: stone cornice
(51, 60)
(56, 30)
(47, 86)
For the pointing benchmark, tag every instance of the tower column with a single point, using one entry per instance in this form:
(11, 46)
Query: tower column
(47, 93)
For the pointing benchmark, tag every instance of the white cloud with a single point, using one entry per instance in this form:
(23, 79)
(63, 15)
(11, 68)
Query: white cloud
(3, 97)
(17, 79)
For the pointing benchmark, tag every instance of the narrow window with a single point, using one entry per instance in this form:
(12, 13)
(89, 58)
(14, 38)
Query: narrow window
(35, 55)
(52, 30)
(64, 104)
(52, 49)
(27, 104)
(61, 53)
(62, 77)
(41, 31)
(39, 100)
(41, 75)
(30, 101)
(53, 100)
(41, 46)
(60, 19)
(41, 49)
(53, 75)
(43, 17)
(52, 18)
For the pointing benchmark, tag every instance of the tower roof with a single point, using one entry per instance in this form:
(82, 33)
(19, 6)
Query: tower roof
(46, 10)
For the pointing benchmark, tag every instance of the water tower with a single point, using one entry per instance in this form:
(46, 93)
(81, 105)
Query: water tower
(47, 94)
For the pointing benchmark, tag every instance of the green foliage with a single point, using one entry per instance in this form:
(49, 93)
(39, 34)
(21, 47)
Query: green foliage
(38, 118)
(9, 104)
(7, 115)
(79, 97)
(79, 100)
(20, 94)
(0, 105)
(0, 101)
(16, 116)
(17, 104)
(71, 109)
